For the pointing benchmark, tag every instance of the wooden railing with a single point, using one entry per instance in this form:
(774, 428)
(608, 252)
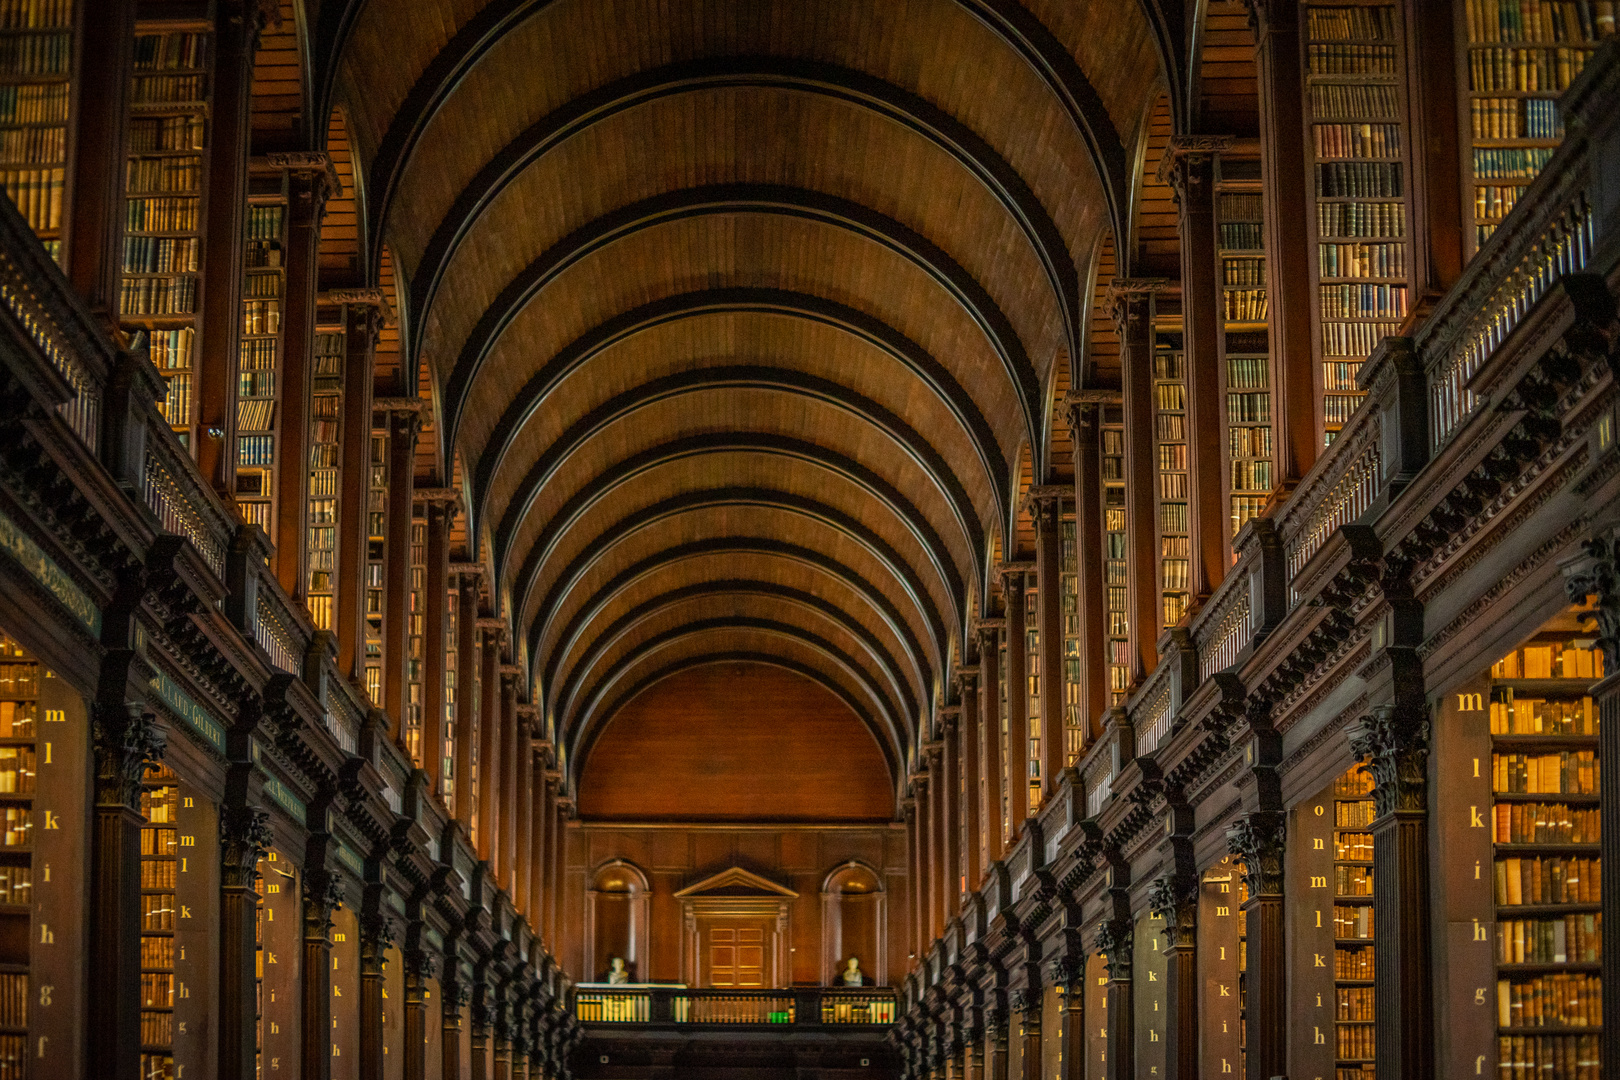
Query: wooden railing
(798, 1006)
(1336, 492)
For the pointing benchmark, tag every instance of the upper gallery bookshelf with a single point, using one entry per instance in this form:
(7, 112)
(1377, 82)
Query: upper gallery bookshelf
(1357, 147)
(1516, 57)
(1246, 361)
(36, 81)
(258, 398)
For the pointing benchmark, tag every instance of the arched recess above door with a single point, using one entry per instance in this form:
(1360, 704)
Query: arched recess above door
(617, 921)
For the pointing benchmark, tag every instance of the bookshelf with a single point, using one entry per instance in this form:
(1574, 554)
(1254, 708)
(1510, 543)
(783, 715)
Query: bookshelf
(1357, 146)
(1518, 56)
(164, 183)
(325, 459)
(20, 678)
(264, 282)
(1075, 721)
(1032, 680)
(1170, 448)
(376, 536)
(1546, 874)
(36, 83)
(1353, 813)
(415, 631)
(1117, 629)
(160, 845)
(1245, 358)
(1001, 689)
(452, 637)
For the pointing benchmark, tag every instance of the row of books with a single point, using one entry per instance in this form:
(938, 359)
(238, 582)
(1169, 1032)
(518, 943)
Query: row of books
(1353, 921)
(264, 223)
(1553, 660)
(164, 213)
(17, 719)
(1495, 201)
(37, 194)
(1338, 408)
(1354, 1003)
(1351, 23)
(167, 90)
(1248, 408)
(1350, 59)
(1353, 963)
(1245, 508)
(1538, 21)
(1352, 880)
(1369, 220)
(1363, 301)
(1354, 846)
(157, 295)
(176, 407)
(1521, 163)
(1251, 475)
(1576, 938)
(1168, 364)
(257, 355)
(1515, 118)
(176, 51)
(1548, 70)
(255, 415)
(157, 134)
(1173, 457)
(1361, 260)
(1169, 427)
(1565, 999)
(1563, 1057)
(1175, 574)
(35, 14)
(1243, 271)
(16, 885)
(164, 175)
(1551, 879)
(262, 254)
(160, 255)
(171, 349)
(1340, 374)
(256, 513)
(16, 770)
(255, 449)
(23, 55)
(19, 679)
(33, 146)
(1353, 814)
(16, 826)
(252, 384)
(1242, 235)
(1372, 101)
(1354, 339)
(1544, 823)
(325, 431)
(261, 286)
(1244, 305)
(1359, 180)
(1173, 517)
(1512, 714)
(1565, 772)
(1170, 396)
(1354, 1042)
(1356, 140)
(1237, 207)
(14, 1001)
(1247, 373)
(323, 456)
(261, 316)
(158, 874)
(157, 1029)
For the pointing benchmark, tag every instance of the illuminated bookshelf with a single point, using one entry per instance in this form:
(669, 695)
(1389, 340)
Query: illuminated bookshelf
(1353, 812)
(1245, 356)
(1171, 450)
(36, 69)
(258, 402)
(1116, 605)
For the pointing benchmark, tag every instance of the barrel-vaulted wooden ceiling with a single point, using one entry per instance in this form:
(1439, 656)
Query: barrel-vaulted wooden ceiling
(741, 314)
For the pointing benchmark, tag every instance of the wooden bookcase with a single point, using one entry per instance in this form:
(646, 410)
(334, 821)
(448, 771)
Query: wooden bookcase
(36, 84)
(20, 678)
(1075, 722)
(325, 459)
(415, 631)
(1174, 481)
(376, 541)
(258, 401)
(1353, 813)
(165, 183)
(1546, 875)
(1032, 688)
(1515, 58)
(1117, 603)
(1246, 363)
(160, 855)
(1357, 141)
(452, 678)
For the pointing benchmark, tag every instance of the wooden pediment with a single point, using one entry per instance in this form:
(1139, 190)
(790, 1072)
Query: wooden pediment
(735, 882)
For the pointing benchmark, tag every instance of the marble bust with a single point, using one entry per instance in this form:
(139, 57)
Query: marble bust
(852, 975)
(617, 972)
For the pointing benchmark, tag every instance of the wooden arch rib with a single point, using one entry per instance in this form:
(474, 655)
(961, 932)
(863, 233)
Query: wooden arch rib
(830, 210)
(858, 532)
(889, 730)
(845, 84)
(579, 747)
(626, 624)
(603, 417)
(572, 635)
(1023, 33)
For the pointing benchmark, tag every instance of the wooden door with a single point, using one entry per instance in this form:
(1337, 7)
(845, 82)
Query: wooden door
(736, 953)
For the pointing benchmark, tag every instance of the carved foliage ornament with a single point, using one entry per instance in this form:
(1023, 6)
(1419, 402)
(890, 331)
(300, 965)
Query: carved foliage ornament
(1598, 576)
(323, 895)
(244, 837)
(1026, 1001)
(1174, 898)
(1067, 971)
(1395, 742)
(127, 740)
(1257, 839)
(1114, 940)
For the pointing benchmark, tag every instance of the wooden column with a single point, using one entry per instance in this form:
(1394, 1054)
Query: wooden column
(126, 738)
(995, 1042)
(310, 181)
(1286, 172)
(1175, 896)
(523, 812)
(990, 732)
(1189, 164)
(93, 227)
(914, 890)
(244, 838)
(452, 1001)
(925, 863)
(938, 829)
(1257, 839)
(489, 748)
(375, 936)
(1027, 1003)
(973, 1049)
(951, 810)
(1073, 1009)
(237, 24)
(1046, 509)
(972, 809)
(1116, 940)
(481, 1049)
(1016, 768)
(546, 809)
(466, 733)
(1133, 317)
(403, 420)
(418, 969)
(509, 779)
(1438, 219)
(559, 873)
(928, 803)
(362, 321)
(1085, 417)
(441, 506)
(322, 894)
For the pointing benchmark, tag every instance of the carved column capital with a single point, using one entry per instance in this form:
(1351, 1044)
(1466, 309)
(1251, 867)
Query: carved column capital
(1186, 160)
(1395, 742)
(244, 837)
(1115, 939)
(1068, 971)
(1130, 304)
(1595, 575)
(1258, 839)
(323, 895)
(1174, 897)
(127, 740)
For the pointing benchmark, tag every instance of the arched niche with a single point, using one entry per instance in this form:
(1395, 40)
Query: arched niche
(616, 921)
(854, 922)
